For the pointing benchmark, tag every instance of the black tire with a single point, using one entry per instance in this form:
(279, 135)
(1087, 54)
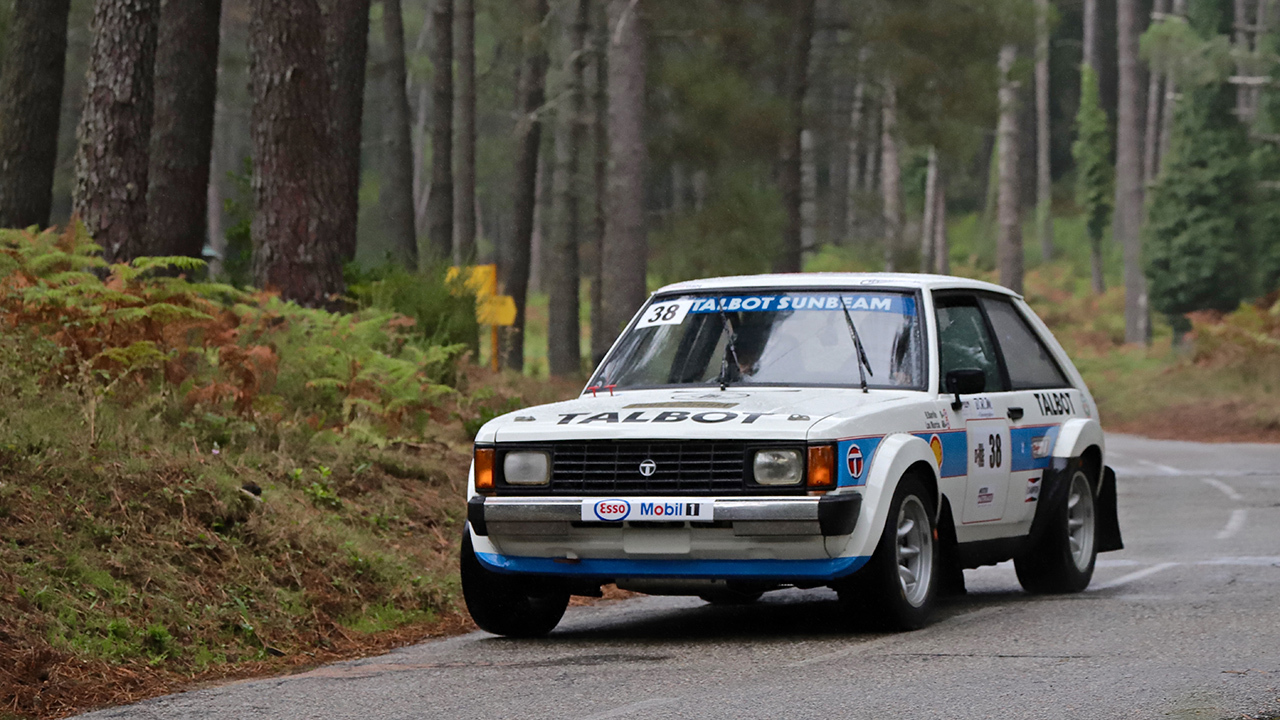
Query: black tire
(509, 605)
(1062, 559)
(900, 604)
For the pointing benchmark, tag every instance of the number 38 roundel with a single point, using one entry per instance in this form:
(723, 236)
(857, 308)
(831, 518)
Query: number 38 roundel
(854, 458)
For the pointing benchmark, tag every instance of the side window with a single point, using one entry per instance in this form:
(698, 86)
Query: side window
(1026, 358)
(964, 342)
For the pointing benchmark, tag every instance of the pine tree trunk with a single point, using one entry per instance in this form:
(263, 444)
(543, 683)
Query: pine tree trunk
(1008, 207)
(347, 49)
(1241, 45)
(625, 248)
(927, 234)
(296, 248)
(789, 170)
(1089, 54)
(440, 201)
(808, 195)
(1155, 82)
(854, 153)
(186, 87)
(941, 247)
(115, 127)
(30, 109)
(601, 336)
(1171, 93)
(855, 149)
(397, 189)
(890, 177)
(1044, 178)
(1128, 204)
(514, 272)
(464, 207)
(838, 167)
(564, 348)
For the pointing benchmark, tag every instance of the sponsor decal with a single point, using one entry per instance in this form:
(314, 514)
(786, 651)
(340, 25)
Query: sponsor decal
(1033, 489)
(1055, 403)
(985, 496)
(936, 420)
(855, 461)
(979, 407)
(665, 312)
(935, 444)
(610, 510)
(619, 509)
(894, 303)
(712, 417)
(858, 454)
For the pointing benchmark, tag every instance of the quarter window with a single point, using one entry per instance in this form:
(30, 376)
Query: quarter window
(1026, 358)
(964, 342)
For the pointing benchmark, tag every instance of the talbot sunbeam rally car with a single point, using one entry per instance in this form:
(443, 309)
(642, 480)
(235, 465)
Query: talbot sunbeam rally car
(874, 433)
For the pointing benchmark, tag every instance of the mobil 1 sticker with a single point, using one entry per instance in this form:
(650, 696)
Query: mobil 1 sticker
(672, 509)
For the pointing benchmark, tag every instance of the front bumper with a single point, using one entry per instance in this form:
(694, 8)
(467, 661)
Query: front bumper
(827, 515)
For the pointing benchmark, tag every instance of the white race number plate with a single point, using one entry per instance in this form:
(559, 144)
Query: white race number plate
(673, 509)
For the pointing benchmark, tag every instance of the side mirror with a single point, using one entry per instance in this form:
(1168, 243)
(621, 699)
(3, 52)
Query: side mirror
(965, 382)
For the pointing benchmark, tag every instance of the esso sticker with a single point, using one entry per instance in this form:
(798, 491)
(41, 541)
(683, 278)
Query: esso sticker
(611, 510)
(665, 313)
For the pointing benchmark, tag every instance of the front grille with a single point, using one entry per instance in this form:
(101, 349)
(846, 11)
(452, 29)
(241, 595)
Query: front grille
(680, 468)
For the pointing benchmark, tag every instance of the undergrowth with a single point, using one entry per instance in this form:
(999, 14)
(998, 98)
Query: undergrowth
(195, 479)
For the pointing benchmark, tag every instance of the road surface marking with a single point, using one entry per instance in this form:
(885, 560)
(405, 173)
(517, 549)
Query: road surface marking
(1136, 575)
(1234, 525)
(1225, 488)
(1162, 468)
(1246, 561)
(632, 708)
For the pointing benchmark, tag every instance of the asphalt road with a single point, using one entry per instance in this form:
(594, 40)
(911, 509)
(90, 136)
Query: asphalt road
(1183, 623)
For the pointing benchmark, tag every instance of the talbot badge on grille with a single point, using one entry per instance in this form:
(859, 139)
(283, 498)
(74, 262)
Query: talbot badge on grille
(648, 468)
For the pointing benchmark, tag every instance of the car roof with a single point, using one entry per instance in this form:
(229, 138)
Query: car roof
(794, 281)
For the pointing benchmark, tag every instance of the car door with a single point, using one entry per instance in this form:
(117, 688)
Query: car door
(965, 342)
(1040, 400)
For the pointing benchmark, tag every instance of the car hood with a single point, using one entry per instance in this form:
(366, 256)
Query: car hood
(739, 413)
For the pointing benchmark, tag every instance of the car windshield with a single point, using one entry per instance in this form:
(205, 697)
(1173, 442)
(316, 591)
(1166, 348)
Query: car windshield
(779, 338)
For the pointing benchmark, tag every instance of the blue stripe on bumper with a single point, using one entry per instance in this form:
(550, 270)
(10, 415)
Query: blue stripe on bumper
(746, 569)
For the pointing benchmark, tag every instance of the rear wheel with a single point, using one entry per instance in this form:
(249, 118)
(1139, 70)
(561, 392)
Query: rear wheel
(899, 583)
(506, 604)
(1063, 560)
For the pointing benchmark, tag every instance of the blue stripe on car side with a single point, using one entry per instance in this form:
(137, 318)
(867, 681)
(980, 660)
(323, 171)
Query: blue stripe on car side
(1021, 439)
(955, 451)
(867, 446)
(830, 569)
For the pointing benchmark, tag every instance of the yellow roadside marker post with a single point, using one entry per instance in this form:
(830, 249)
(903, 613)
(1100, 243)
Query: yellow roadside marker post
(492, 309)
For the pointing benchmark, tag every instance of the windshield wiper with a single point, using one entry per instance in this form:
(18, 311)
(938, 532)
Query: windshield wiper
(857, 344)
(729, 349)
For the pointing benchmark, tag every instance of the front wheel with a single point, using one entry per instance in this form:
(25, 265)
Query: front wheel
(1062, 561)
(509, 605)
(899, 582)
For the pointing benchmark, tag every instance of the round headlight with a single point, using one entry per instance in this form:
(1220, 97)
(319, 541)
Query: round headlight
(778, 467)
(526, 468)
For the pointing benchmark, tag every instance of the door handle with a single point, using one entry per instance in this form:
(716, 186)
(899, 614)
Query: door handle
(1015, 413)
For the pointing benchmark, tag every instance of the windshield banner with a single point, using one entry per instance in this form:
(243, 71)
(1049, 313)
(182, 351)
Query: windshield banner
(897, 304)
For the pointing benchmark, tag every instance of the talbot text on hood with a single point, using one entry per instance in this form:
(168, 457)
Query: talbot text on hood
(666, 416)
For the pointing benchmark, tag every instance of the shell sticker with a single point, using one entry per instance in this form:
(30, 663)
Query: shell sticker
(935, 443)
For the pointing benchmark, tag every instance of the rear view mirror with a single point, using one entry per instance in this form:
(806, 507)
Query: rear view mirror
(965, 382)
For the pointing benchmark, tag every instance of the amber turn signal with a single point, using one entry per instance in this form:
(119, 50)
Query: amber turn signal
(484, 469)
(822, 466)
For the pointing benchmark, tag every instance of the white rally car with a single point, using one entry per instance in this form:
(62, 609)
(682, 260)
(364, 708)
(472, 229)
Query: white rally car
(875, 433)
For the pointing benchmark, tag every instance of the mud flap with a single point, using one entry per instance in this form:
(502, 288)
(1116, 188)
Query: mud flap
(1108, 519)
